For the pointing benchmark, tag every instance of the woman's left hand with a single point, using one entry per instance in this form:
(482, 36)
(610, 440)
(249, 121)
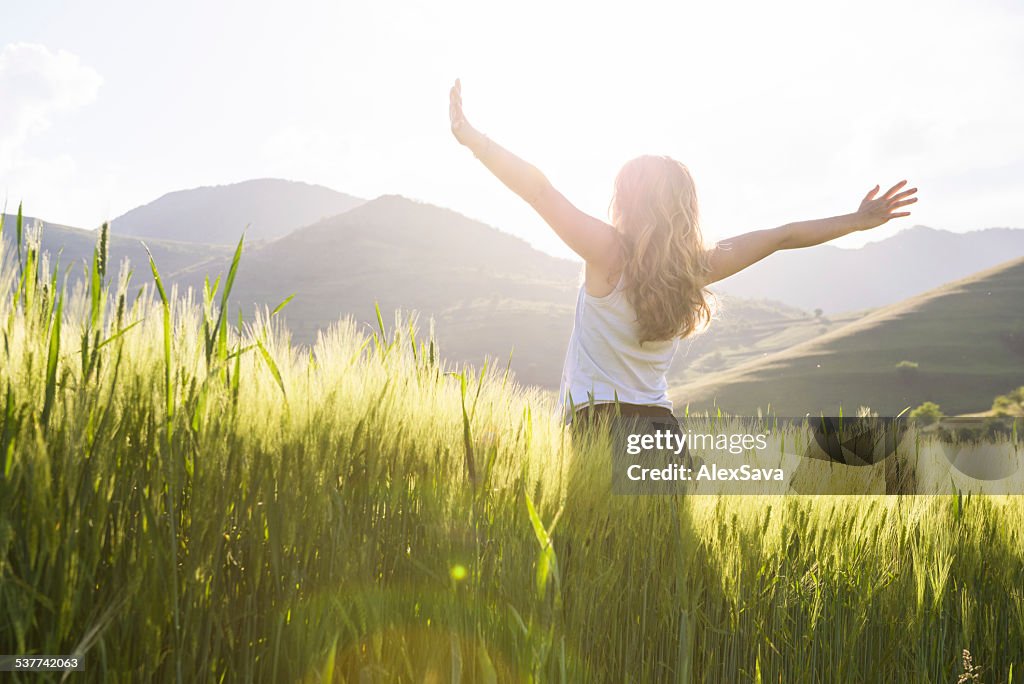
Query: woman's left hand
(461, 128)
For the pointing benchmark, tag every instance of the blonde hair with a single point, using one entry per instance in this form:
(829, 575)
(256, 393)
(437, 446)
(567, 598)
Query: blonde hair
(654, 212)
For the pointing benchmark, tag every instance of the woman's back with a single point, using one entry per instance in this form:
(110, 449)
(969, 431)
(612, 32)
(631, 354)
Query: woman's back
(605, 360)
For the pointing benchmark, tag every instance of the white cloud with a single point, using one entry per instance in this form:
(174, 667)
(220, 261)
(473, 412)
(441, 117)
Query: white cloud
(37, 84)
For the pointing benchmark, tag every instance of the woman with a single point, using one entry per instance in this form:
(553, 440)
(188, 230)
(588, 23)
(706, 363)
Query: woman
(646, 272)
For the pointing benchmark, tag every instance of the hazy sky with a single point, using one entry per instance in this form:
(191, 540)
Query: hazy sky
(782, 110)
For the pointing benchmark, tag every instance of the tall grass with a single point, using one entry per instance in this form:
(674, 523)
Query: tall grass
(186, 499)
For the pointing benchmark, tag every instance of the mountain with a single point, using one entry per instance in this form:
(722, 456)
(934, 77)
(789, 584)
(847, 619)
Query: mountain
(490, 293)
(966, 339)
(879, 273)
(74, 246)
(269, 207)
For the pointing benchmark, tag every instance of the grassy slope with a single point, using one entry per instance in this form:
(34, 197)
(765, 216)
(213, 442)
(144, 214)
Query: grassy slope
(967, 337)
(745, 329)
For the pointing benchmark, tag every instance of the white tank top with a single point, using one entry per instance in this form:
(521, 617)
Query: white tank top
(605, 359)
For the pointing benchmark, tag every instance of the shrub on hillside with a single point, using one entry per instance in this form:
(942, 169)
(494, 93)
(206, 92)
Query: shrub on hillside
(1010, 404)
(927, 413)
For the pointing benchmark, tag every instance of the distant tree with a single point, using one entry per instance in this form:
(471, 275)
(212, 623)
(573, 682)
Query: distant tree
(906, 369)
(818, 313)
(1010, 404)
(927, 413)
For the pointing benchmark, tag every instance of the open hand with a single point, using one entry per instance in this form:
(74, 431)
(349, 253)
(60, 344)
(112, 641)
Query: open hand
(461, 129)
(874, 211)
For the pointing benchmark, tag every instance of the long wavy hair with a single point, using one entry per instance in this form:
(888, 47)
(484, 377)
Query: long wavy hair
(654, 211)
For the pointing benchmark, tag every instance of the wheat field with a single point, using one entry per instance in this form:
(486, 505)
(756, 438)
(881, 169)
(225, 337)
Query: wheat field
(187, 498)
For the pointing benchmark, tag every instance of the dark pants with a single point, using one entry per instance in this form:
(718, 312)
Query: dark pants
(594, 413)
(632, 419)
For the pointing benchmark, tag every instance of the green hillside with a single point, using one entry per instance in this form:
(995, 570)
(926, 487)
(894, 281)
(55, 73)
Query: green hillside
(967, 339)
(745, 329)
(75, 247)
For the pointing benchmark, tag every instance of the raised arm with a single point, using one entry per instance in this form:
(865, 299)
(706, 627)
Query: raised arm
(592, 239)
(735, 254)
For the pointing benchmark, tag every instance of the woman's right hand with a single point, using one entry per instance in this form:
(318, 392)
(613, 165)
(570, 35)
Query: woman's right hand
(874, 211)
